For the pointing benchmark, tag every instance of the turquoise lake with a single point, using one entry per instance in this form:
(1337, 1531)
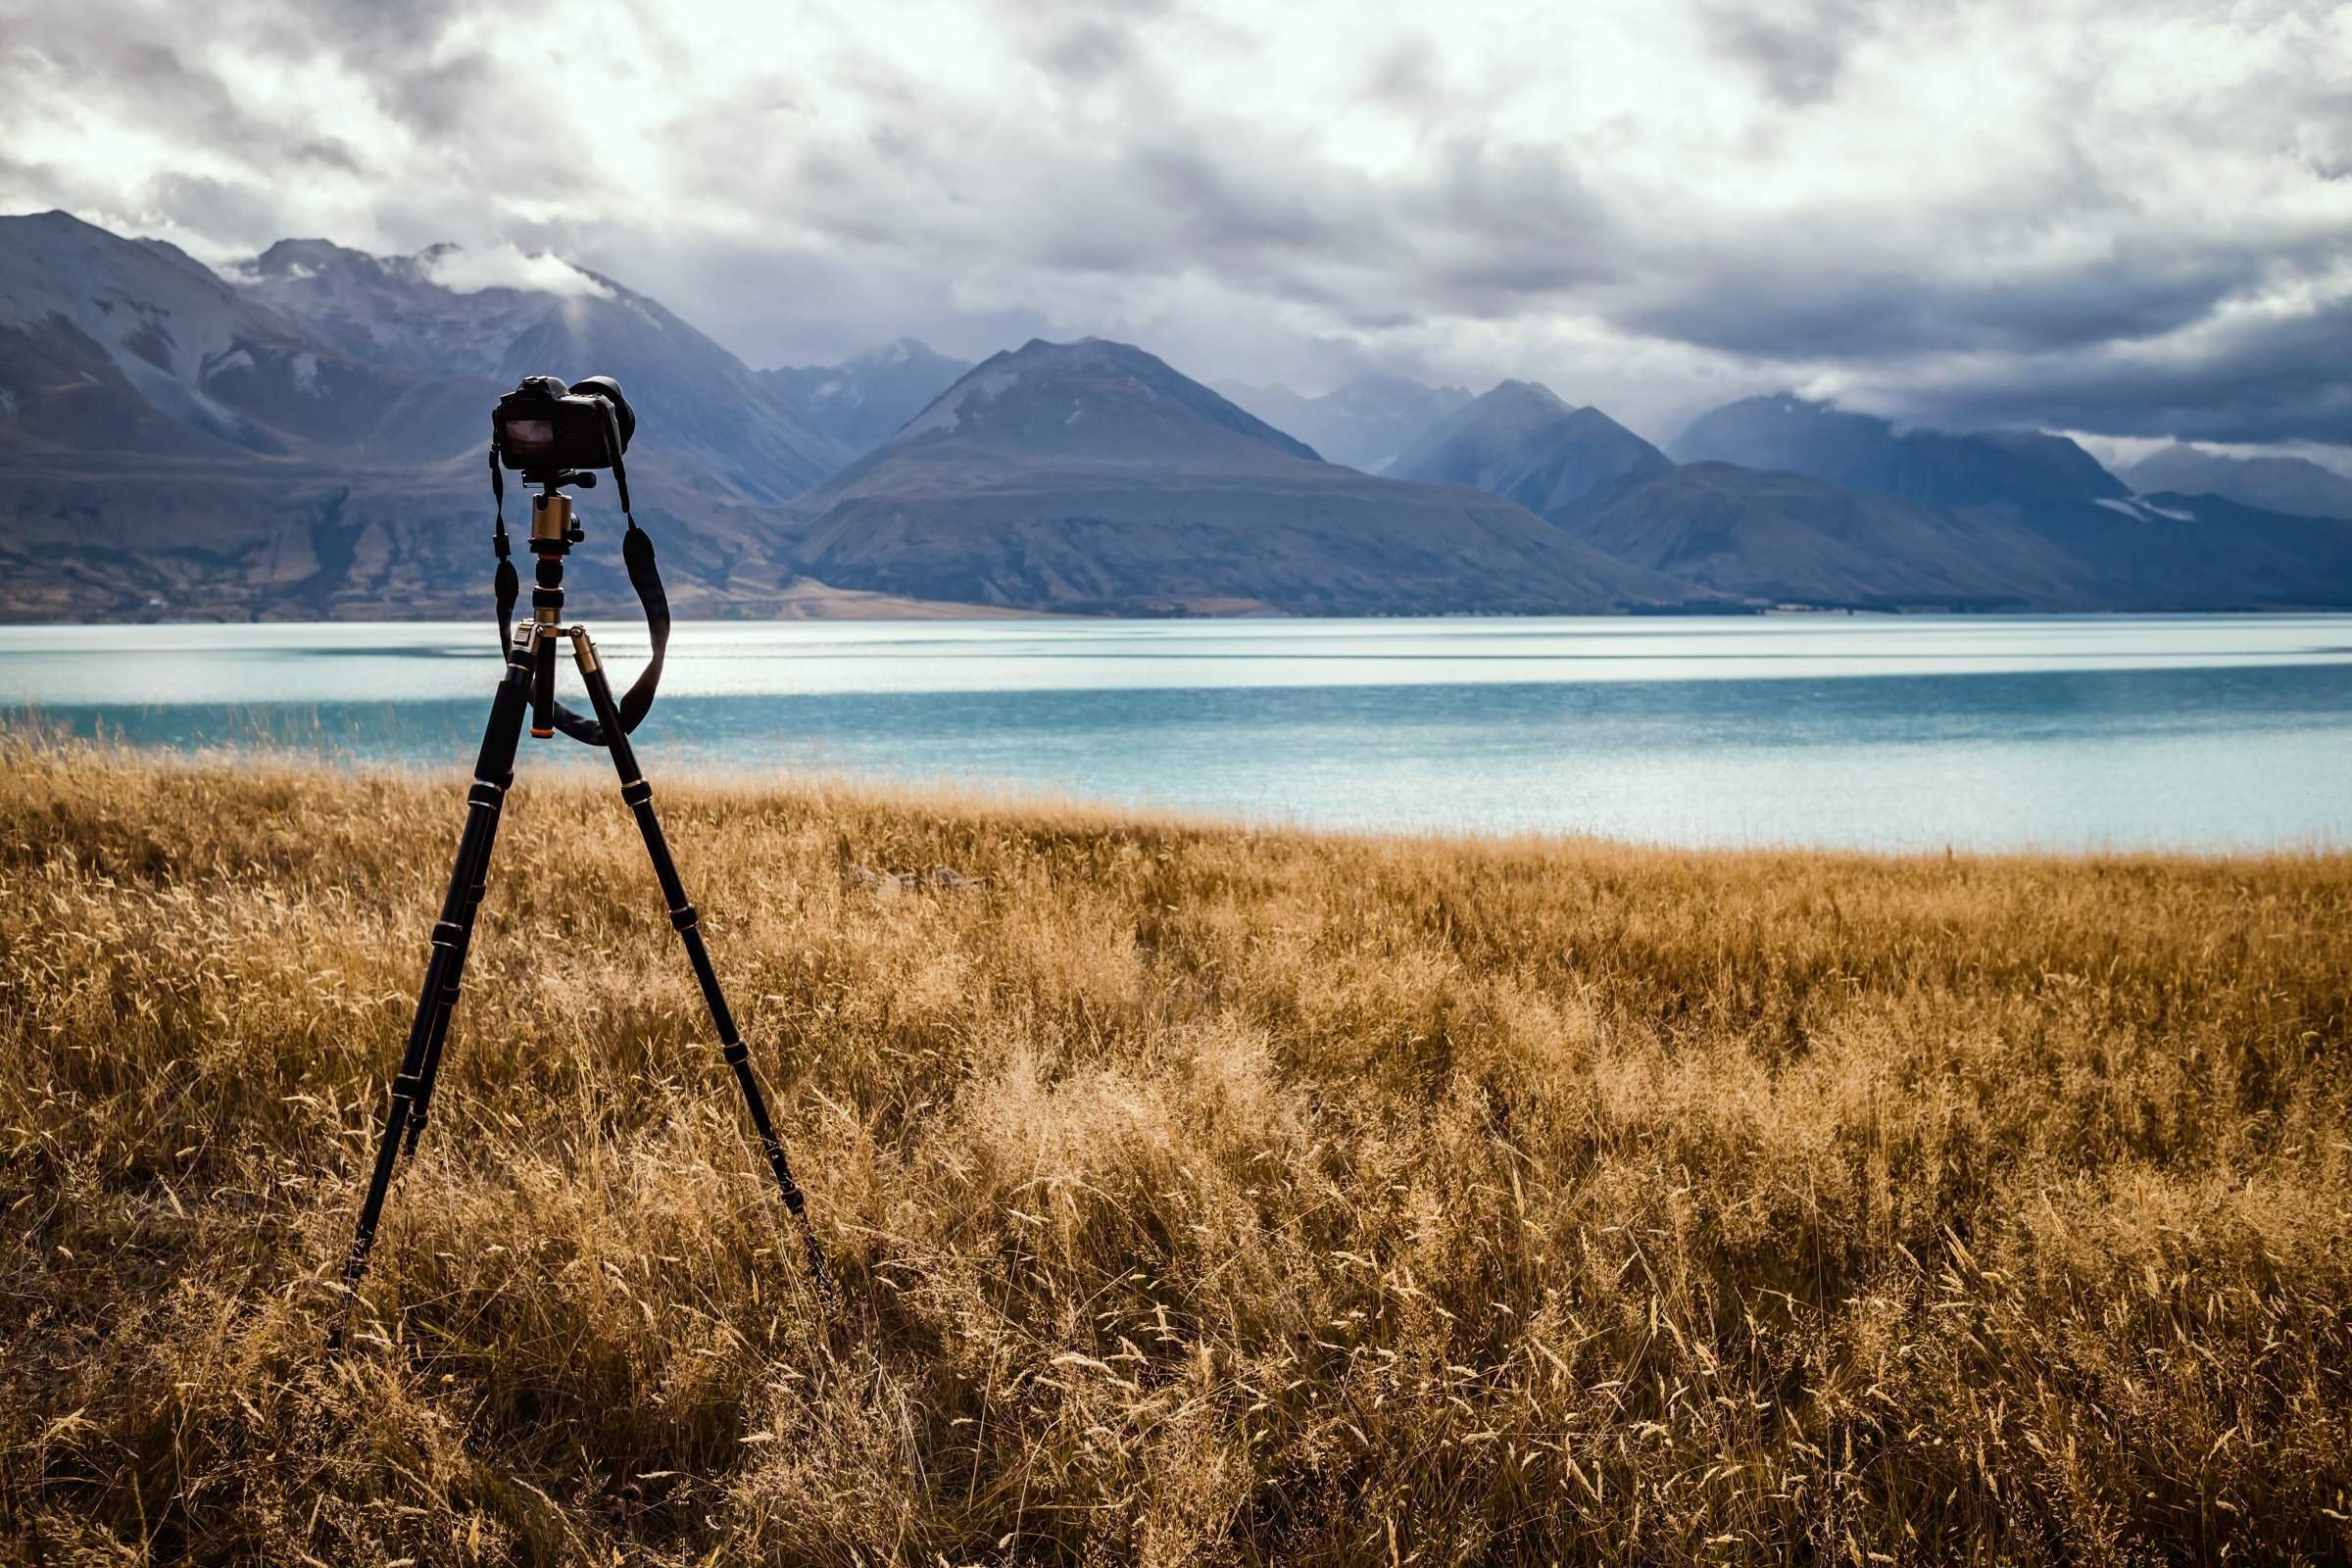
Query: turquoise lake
(2188, 732)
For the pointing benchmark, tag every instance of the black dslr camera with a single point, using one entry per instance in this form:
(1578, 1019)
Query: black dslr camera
(544, 428)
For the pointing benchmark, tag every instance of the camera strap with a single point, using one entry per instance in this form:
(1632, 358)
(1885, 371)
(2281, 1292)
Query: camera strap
(506, 586)
(636, 553)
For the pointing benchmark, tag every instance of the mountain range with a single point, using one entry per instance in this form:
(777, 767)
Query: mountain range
(1089, 477)
(2100, 545)
(301, 435)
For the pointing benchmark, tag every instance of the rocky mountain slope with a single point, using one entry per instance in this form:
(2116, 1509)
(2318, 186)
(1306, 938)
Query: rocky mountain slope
(1091, 476)
(697, 404)
(1769, 538)
(108, 345)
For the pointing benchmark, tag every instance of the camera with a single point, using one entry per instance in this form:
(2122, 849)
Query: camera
(544, 427)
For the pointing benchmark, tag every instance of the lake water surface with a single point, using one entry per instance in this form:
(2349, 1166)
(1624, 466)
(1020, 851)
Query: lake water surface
(2199, 732)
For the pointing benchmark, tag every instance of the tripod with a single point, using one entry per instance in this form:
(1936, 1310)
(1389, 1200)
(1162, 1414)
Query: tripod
(530, 681)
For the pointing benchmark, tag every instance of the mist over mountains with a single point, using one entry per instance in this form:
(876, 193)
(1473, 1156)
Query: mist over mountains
(1522, 441)
(302, 435)
(862, 401)
(1365, 424)
(2295, 485)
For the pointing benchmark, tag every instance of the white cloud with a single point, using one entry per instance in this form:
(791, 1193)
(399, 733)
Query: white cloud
(469, 272)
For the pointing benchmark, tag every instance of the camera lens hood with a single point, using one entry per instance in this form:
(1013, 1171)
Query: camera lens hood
(603, 386)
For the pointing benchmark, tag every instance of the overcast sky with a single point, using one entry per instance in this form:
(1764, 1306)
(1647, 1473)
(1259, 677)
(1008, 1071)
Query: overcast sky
(2124, 216)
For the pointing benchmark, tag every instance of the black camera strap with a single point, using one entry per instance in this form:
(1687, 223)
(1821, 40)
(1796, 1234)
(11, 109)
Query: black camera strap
(506, 586)
(637, 553)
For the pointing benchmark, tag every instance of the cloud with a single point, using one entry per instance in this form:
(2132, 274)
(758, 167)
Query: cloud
(1797, 49)
(469, 272)
(2251, 377)
(2129, 217)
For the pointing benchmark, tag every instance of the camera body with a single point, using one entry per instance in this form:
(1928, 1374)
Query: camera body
(544, 429)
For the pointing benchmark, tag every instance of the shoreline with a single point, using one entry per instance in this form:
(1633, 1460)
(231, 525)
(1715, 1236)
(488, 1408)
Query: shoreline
(576, 776)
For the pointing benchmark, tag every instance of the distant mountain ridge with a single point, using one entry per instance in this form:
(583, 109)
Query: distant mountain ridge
(2294, 485)
(862, 401)
(1092, 476)
(1364, 424)
(2031, 495)
(1521, 441)
(1937, 468)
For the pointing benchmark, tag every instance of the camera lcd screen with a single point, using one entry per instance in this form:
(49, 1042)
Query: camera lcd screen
(525, 436)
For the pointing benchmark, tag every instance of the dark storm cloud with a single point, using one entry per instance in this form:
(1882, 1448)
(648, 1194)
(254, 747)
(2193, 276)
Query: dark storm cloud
(2256, 382)
(2117, 216)
(1769, 309)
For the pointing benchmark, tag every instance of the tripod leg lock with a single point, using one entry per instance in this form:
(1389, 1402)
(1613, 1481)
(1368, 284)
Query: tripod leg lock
(634, 795)
(683, 919)
(485, 793)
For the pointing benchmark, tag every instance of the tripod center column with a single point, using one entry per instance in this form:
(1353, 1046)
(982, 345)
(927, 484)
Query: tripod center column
(551, 537)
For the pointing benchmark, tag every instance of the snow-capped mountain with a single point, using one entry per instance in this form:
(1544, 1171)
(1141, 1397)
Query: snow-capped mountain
(443, 313)
(112, 345)
(394, 310)
(863, 401)
(306, 437)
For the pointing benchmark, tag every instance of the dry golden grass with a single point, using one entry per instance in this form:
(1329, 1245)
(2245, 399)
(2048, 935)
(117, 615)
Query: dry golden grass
(1197, 1195)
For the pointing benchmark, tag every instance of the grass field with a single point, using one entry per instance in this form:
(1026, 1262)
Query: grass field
(1196, 1194)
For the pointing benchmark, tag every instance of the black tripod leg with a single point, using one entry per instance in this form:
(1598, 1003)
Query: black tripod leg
(478, 875)
(638, 795)
(491, 770)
